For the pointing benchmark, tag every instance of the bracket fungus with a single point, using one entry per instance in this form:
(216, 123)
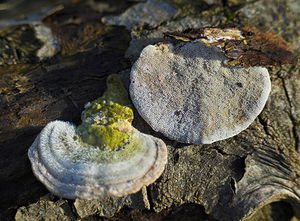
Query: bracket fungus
(188, 94)
(103, 156)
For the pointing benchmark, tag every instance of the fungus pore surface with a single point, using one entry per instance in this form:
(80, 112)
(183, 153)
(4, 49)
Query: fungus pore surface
(188, 94)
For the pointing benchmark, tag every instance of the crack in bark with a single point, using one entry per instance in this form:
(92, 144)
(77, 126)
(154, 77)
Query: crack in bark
(291, 116)
(149, 198)
(233, 185)
(222, 152)
(72, 208)
(265, 125)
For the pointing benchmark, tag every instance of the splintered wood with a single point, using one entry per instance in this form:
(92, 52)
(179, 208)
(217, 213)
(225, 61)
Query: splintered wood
(242, 46)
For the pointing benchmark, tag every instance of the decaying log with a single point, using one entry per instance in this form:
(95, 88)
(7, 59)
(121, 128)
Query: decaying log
(230, 179)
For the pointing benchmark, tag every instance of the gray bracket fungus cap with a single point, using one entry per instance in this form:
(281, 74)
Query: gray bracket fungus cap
(188, 94)
(72, 168)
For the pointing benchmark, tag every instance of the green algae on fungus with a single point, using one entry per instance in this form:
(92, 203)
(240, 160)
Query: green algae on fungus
(130, 149)
(106, 122)
(104, 156)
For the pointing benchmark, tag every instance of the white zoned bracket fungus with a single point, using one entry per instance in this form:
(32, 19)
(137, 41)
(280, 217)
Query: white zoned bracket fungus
(104, 156)
(188, 94)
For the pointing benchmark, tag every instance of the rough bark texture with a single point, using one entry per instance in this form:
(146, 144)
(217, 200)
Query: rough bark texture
(228, 180)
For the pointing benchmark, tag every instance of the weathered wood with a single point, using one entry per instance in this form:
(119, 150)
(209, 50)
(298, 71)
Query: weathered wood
(227, 180)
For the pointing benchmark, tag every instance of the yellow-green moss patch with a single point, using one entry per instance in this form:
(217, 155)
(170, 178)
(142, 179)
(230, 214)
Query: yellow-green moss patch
(106, 122)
